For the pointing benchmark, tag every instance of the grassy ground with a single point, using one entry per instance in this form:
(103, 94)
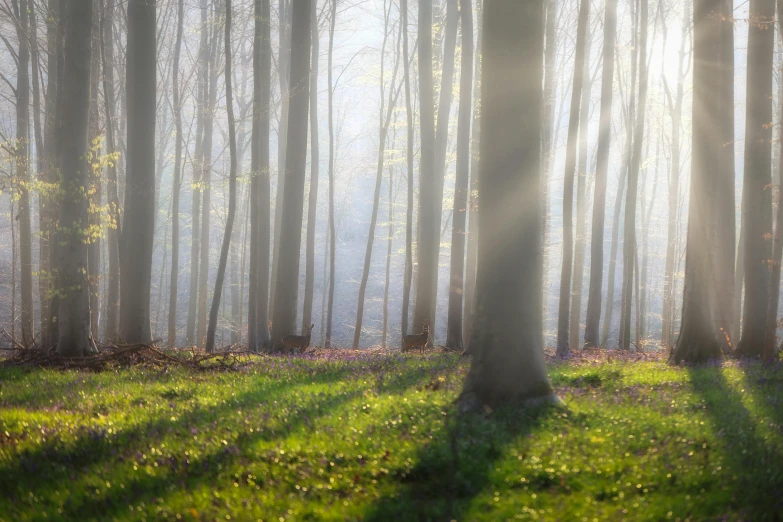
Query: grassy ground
(373, 437)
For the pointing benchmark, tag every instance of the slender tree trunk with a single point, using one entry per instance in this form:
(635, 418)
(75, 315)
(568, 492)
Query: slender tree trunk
(284, 72)
(508, 362)
(197, 186)
(629, 227)
(206, 179)
(113, 231)
(287, 286)
(332, 240)
(725, 214)
(232, 188)
(550, 93)
(257, 330)
(613, 260)
(456, 284)
(384, 122)
(74, 299)
(94, 245)
(48, 216)
(40, 157)
(593, 314)
(428, 244)
(697, 341)
(674, 184)
(472, 242)
(647, 216)
(177, 183)
(22, 157)
(388, 254)
(137, 234)
(13, 268)
(756, 197)
(408, 275)
(581, 204)
(312, 204)
(563, 347)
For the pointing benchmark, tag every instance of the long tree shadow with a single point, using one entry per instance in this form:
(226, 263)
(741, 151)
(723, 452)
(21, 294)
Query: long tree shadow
(456, 465)
(753, 477)
(54, 463)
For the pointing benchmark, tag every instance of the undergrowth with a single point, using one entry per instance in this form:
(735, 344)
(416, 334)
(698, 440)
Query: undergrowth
(376, 437)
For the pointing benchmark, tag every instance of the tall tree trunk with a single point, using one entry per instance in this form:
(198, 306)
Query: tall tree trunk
(48, 207)
(177, 183)
(197, 186)
(508, 361)
(756, 198)
(287, 286)
(384, 122)
(139, 223)
(726, 234)
(581, 204)
(472, 243)
(285, 13)
(74, 299)
(389, 242)
(697, 341)
(629, 227)
(428, 244)
(564, 308)
(113, 232)
(22, 157)
(40, 157)
(94, 245)
(332, 240)
(206, 180)
(232, 188)
(312, 204)
(257, 330)
(550, 93)
(409, 153)
(441, 144)
(675, 107)
(647, 216)
(770, 337)
(593, 314)
(613, 260)
(457, 283)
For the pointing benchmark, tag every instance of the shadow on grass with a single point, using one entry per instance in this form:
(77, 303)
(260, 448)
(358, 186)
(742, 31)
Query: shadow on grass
(754, 470)
(54, 464)
(456, 466)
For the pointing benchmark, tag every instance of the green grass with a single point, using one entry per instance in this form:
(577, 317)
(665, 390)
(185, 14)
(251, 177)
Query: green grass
(375, 438)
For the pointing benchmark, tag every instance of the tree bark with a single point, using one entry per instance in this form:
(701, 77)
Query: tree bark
(332, 240)
(428, 244)
(137, 234)
(507, 340)
(287, 286)
(312, 203)
(564, 308)
(232, 188)
(73, 288)
(40, 157)
(22, 157)
(472, 242)
(629, 227)
(593, 313)
(756, 197)
(177, 182)
(408, 275)
(457, 283)
(95, 188)
(697, 341)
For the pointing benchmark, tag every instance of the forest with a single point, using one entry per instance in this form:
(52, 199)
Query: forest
(391, 260)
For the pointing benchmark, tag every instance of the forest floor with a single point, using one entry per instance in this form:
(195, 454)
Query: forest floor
(375, 437)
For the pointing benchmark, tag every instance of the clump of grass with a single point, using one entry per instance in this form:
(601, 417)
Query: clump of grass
(376, 437)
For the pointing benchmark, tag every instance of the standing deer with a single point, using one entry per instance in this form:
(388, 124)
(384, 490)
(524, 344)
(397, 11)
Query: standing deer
(410, 342)
(301, 342)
